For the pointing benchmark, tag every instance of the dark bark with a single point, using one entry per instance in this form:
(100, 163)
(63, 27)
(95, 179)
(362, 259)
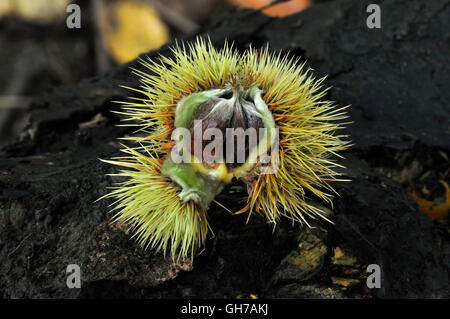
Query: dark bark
(396, 80)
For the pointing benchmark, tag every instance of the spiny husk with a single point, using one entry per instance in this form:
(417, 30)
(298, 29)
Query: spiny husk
(307, 138)
(307, 125)
(148, 202)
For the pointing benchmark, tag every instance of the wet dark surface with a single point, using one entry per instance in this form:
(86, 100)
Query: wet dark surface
(396, 80)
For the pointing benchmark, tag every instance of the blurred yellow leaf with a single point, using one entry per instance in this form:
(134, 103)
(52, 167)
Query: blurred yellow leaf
(130, 28)
(38, 11)
(5, 7)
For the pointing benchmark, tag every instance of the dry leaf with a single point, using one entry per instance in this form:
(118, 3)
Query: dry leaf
(432, 209)
(341, 258)
(282, 9)
(338, 253)
(344, 282)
